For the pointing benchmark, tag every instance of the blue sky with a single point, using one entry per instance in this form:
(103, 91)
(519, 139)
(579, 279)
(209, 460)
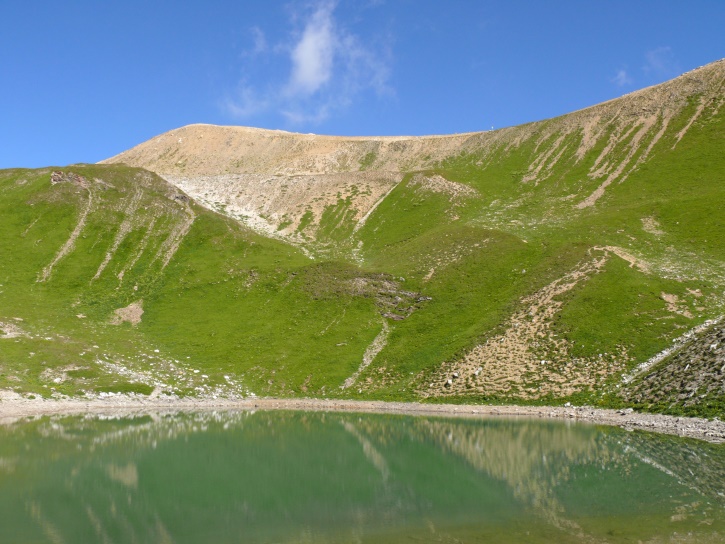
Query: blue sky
(84, 80)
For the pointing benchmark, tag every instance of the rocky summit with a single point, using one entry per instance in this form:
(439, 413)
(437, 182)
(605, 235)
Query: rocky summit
(578, 259)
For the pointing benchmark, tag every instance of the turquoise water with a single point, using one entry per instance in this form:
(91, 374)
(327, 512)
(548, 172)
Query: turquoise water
(299, 477)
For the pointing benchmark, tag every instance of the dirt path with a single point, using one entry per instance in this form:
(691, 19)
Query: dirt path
(375, 347)
(14, 408)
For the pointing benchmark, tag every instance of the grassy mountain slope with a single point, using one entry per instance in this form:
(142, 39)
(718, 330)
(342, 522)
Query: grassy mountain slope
(113, 280)
(538, 263)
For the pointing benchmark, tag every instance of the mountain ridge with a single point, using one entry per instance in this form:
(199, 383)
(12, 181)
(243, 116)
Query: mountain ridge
(685, 75)
(536, 264)
(225, 170)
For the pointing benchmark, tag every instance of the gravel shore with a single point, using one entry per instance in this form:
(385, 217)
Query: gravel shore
(14, 408)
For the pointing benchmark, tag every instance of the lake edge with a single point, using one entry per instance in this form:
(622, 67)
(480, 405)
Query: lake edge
(14, 407)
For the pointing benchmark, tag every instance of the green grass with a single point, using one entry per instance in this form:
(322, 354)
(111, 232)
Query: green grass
(234, 306)
(620, 307)
(368, 160)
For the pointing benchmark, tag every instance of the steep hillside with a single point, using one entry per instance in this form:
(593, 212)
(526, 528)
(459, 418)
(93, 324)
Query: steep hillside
(541, 263)
(114, 281)
(288, 183)
(688, 378)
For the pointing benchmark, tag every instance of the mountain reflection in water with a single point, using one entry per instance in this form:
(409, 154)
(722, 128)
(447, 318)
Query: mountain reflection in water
(330, 477)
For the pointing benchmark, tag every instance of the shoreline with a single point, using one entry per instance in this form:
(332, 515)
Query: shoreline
(15, 408)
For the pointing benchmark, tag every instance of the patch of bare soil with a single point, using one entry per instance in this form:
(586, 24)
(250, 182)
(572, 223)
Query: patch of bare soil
(279, 205)
(634, 261)
(58, 375)
(528, 360)
(10, 330)
(201, 149)
(130, 314)
(675, 306)
(439, 184)
(652, 226)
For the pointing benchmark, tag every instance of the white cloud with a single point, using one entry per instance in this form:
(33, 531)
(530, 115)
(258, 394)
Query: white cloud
(365, 68)
(622, 78)
(260, 41)
(259, 44)
(246, 103)
(314, 117)
(329, 69)
(661, 62)
(313, 55)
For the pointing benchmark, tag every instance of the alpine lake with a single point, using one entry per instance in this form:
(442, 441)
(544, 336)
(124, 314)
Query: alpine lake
(323, 477)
